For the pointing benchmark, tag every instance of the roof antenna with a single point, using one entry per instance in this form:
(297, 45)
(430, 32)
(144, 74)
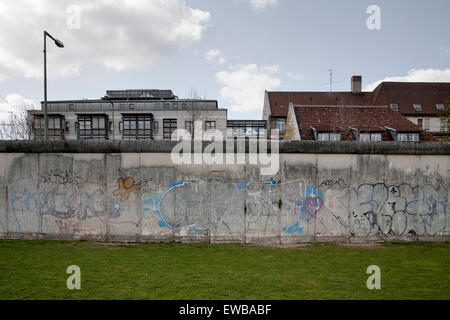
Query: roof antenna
(331, 80)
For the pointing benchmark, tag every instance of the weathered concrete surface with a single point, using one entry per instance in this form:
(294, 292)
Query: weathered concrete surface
(54, 192)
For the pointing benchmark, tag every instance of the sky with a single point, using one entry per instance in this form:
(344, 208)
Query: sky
(226, 50)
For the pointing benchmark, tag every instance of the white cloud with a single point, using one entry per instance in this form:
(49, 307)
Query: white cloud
(260, 5)
(14, 103)
(295, 76)
(416, 75)
(120, 34)
(244, 86)
(215, 56)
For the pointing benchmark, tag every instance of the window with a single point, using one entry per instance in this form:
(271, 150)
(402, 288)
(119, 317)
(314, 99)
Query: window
(92, 127)
(137, 127)
(418, 107)
(169, 126)
(188, 126)
(420, 122)
(210, 125)
(367, 136)
(56, 126)
(156, 126)
(394, 106)
(247, 127)
(131, 105)
(329, 137)
(427, 124)
(407, 137)
(281, 126)
(166, 105)
(443, 125)
(440, 107)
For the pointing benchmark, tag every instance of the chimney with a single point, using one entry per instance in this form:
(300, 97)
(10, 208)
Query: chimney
(356, 84)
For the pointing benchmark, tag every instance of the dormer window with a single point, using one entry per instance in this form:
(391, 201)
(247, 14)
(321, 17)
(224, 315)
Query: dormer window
(328, 136)
(440, 107)
(370, 136)
(407, 137)
(418, 107)
(394, 106)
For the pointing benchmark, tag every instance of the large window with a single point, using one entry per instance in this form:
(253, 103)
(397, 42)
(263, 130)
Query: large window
(93, 127)
(368, 136)
(169, 126)
(248, 128)
(137, 127)
(325, 136)
(55, 127)
(408, 137)
(210, 125)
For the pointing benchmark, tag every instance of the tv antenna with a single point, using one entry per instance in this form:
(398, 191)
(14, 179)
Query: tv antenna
(331, 80)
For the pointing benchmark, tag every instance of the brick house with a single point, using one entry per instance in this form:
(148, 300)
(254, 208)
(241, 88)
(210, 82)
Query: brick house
(420, 102)
(351, 123)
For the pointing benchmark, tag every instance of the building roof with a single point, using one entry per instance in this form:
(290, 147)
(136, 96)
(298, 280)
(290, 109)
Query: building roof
(344, 118)
(404, 94)
(139, 94)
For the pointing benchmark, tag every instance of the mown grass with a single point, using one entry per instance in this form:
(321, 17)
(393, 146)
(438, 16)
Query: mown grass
(37, 270)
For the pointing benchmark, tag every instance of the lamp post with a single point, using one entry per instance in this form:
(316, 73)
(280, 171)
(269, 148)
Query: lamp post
(108, 98)
(59, 44)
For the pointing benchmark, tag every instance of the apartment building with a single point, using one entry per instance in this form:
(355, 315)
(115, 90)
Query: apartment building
(147, 114)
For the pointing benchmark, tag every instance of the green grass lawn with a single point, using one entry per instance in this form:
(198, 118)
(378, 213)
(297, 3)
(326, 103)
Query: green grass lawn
(37, 270)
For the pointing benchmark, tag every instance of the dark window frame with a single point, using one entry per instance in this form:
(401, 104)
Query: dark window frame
(169, 126)
(54, 133)
(137, 127)
(93, 127)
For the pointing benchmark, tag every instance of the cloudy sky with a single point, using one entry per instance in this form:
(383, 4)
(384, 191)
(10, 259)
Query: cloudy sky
(229, 50)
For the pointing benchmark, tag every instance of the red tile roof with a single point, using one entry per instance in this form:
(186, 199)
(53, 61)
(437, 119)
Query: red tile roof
(362, 118)
(404, 94)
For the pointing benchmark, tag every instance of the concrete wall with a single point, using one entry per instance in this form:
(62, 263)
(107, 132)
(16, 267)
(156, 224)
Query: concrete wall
(323, 192)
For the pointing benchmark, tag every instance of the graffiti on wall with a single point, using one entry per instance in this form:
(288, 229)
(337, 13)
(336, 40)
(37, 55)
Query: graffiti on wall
(306, 209)
(230, 207)
(188, 204)
(403, 209)
(64, 196)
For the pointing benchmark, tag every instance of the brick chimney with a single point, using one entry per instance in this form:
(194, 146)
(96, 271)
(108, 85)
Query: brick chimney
(356, 84)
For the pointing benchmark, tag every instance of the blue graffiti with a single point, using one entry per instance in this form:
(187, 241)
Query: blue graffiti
(307, 209)
(240, 185)
(271, 182)
(155, 205)
(24, 198)
(295, 228)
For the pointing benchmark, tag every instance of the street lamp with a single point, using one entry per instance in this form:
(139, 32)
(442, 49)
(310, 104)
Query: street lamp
(59, 44)
(108, 98)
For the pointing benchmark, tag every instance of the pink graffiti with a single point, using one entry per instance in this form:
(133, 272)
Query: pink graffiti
(312, 206)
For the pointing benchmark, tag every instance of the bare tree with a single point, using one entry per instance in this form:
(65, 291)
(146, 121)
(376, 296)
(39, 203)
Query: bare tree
(194, 112)
(16, 127)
